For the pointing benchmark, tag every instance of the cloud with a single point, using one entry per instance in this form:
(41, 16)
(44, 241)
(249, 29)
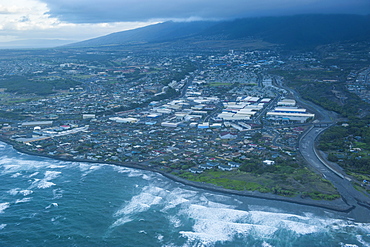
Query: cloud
(29, 19)
(94, 11)
(84, 19)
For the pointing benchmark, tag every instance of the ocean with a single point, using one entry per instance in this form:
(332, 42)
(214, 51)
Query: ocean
(46, 202)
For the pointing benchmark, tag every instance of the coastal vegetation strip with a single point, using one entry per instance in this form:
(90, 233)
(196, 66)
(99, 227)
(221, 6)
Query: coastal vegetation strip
(302, 182)
(348, 144)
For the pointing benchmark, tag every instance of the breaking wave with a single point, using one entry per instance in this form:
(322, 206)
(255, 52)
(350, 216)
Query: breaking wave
(4, 206)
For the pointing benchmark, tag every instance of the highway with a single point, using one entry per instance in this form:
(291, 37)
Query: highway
(334, 174)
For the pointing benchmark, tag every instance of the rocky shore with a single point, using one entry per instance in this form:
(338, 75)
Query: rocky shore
(338, 205)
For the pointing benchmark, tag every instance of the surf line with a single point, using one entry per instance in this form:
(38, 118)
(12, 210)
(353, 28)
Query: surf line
(337, 205)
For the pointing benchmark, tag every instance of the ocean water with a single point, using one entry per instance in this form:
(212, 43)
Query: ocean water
(45, 202)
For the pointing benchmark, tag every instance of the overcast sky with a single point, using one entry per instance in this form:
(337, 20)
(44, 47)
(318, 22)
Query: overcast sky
(75, 20)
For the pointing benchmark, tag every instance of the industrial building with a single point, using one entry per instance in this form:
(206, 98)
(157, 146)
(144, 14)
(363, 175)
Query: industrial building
(170, 125)
(124, 120)
(287, 102)
(37, 123)
(287, 116)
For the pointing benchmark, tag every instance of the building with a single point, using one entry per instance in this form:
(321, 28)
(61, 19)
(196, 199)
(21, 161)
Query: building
(37, 123)
(299, 117)
(203, 126)
(170, 125)
(269, 162)
(88, 116)
(124, 120)
(287, 102)
(233, 164)
(225, 168)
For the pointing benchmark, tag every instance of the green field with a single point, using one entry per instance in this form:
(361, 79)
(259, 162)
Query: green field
(302, 182)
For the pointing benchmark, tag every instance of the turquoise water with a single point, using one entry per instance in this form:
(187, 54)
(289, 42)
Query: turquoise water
(53, 203)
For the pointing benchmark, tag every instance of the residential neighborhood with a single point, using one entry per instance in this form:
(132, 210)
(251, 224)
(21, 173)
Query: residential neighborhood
(210, 120)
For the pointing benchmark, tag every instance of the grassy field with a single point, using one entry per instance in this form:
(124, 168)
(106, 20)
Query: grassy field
(301, 182)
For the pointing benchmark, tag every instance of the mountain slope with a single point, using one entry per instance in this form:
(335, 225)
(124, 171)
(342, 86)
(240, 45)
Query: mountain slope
(154, 33)
(293, 31)
(300, 30)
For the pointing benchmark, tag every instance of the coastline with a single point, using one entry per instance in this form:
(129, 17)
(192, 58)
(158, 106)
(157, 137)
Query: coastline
(338, 205)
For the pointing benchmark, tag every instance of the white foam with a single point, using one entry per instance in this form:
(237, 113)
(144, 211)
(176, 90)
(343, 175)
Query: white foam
(265, 244)
(222, 224)
(301, 228)
(45, 182)
(4, 206)
(54, 204)
(215, 222)
(33, 174)
(13, 192)
(88, 168)
(173, 202)
(57, 194)
(10, 168)
(121, 221)
(140, 203)
(2, 226)
(49, 175)
(135, 173)
(159, 237)
(84, 166)
(215, 219)
(15, 175)
(53, 166)
(26, 199)
(146, 177)
(175, 221)
(360, 240)
(13, 165)
(25, 192)
(121, 169)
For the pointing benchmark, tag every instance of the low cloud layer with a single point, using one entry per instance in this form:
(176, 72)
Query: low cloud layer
(76, 20)
(94, 11)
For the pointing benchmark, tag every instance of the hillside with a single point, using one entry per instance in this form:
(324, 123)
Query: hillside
(161, 32)
(299, 31)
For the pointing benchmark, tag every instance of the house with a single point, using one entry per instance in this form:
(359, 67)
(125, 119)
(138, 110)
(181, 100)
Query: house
(195, 170)
(224, 167)
(269, 162)
(205, 166)
(233, 164)
(227, 136)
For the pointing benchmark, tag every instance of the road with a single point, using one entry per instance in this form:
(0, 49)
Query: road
(332, 173)
(336, 176)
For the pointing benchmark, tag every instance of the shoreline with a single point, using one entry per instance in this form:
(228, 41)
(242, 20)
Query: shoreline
(338, 205)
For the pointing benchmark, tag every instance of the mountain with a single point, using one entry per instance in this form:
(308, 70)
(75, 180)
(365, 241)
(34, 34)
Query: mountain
(161, 32)
(293, 31)
(300, 30)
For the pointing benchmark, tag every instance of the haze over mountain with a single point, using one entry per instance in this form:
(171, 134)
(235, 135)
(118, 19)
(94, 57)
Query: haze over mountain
(294, 31)
(34, 44)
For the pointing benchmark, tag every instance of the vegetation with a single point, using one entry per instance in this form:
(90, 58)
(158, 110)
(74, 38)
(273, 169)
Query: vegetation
(44, 86)
(286, 178)
(331, 96)
(349, 145)
(180, 74)
(11, 115)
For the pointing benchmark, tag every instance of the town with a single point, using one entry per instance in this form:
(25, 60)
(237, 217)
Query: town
(222, 118)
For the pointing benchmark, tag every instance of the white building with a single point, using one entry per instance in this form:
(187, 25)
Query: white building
(287, 102)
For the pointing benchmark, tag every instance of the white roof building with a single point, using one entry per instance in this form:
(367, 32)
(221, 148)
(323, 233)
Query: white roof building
(287, 102)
